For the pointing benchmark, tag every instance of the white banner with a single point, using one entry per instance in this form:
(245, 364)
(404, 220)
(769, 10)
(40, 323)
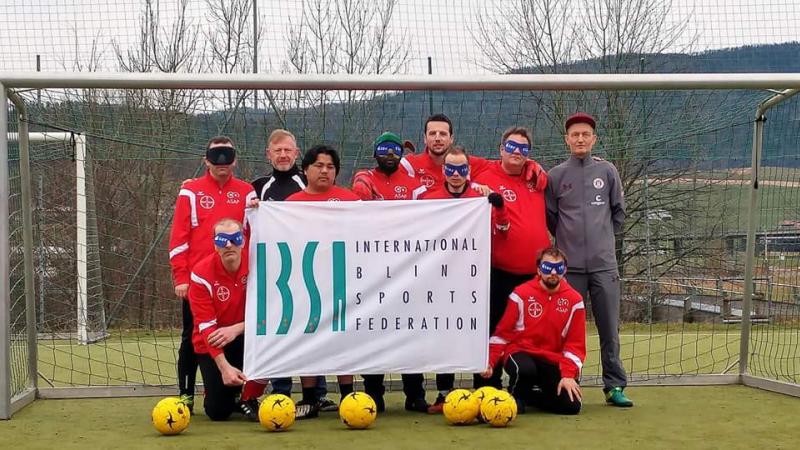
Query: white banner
(338, 288)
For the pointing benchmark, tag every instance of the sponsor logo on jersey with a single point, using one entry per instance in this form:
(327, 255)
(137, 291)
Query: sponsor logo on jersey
(562, 305)
(400, 192)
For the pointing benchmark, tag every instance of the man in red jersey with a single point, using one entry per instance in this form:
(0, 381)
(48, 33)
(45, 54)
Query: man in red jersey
(387, 181)
(456, 171)
(514, 253)
(201, 203)
(541, 339)
(438, 139)
(321, 165)
(217, 295)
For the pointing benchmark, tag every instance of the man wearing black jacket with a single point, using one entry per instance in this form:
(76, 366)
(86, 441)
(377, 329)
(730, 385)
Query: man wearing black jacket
(286, 179)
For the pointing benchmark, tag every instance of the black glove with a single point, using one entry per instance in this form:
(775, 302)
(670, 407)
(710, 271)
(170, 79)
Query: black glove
(496, 200)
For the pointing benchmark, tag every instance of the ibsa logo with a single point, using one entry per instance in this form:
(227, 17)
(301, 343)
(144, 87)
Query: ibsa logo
(337, 302)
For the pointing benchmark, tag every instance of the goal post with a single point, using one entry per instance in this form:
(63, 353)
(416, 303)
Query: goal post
(86, 330)
(720, 312)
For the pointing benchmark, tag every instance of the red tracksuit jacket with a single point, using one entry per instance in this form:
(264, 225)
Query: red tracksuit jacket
(548, 326)
(334, 194)
(373, 184)
(516, 251)
(201, 204)
(216, 298)
(500, 222)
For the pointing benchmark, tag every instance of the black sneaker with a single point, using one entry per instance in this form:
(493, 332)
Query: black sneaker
(306, 410)
(417, 405)
(249, 408)
(325, 404)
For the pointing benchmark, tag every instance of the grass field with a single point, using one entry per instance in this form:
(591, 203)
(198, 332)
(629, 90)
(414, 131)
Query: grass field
(647, 351)
(719, 417)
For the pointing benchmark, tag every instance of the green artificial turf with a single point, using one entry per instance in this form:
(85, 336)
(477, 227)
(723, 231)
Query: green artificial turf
(724, 417)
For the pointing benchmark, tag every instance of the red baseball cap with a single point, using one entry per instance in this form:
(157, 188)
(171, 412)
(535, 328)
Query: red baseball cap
(579, 117)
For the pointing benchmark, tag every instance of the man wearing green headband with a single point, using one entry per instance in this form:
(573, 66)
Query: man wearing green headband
(389, 181)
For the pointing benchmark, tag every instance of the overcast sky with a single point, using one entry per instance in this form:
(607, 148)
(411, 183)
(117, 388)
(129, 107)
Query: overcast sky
(60, 30)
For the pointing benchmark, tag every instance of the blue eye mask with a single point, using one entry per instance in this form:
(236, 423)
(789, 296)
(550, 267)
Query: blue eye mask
(511, 147)
(386, 148)
(221, 239)
(547, 268)
(451, 169)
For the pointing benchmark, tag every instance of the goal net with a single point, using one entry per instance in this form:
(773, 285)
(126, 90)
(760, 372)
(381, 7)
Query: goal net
(107, 162)
(684, 158)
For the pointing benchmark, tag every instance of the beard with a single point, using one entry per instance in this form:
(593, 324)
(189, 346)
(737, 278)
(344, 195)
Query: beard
(388, 167)
(550, 283)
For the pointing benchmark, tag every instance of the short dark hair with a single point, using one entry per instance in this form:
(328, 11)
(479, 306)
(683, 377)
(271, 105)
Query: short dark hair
(522, 131)
(219, 140)
(554, 252)
(311, 156)
(457, 150)
(438, 118)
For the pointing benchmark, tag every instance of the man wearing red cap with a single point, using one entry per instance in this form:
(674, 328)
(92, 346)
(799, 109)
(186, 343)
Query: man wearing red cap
(585, 209)
(201, 203)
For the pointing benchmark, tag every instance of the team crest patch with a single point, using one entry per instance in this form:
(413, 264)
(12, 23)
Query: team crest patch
(534, 308)
(598, 183)
(509, 195)
(427, 180)
(207, 202)
(223, 294)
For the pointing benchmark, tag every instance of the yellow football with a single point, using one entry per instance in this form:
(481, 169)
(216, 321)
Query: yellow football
(170, 416)
(357, 410)
(277, 412)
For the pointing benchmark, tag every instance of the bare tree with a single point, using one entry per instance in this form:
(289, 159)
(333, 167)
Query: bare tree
(135, 207)
(341, 36)
(610, 37)
(231, 44)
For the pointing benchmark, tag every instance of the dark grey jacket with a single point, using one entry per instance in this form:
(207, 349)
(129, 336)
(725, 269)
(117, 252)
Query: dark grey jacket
(585, 208)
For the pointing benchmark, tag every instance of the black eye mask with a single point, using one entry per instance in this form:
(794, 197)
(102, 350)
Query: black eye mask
(221, 156)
